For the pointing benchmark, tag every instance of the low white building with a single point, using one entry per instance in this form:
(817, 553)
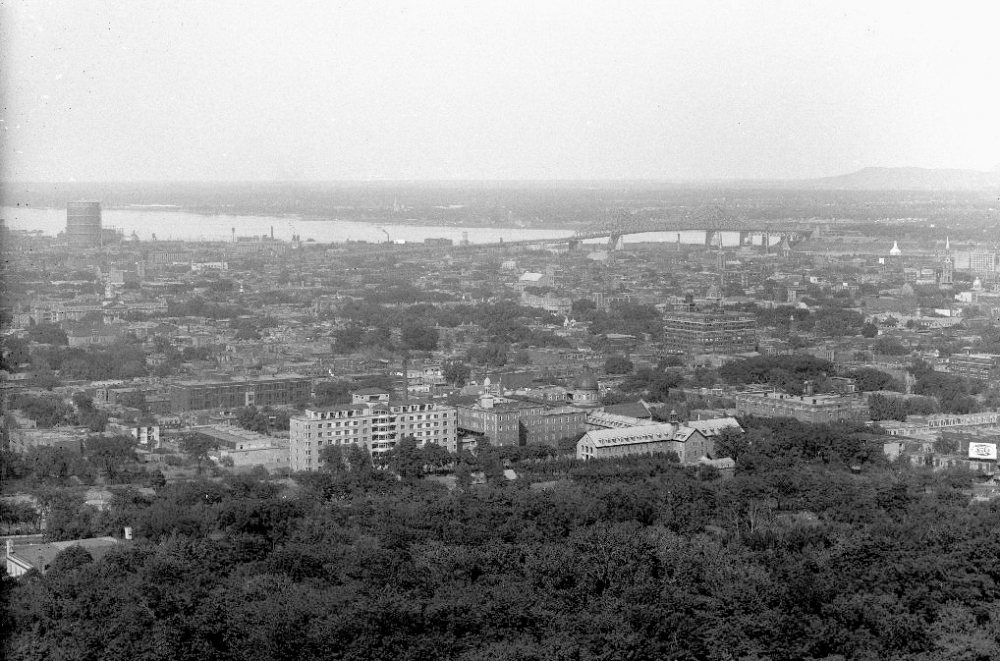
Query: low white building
(689, 444)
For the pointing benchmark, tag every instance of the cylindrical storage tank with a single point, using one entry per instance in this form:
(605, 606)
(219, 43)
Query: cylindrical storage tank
(83, 224)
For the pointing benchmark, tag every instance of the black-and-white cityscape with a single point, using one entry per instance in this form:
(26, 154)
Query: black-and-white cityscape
(511, 332)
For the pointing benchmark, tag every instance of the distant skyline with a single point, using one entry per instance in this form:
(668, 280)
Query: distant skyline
(227, 91)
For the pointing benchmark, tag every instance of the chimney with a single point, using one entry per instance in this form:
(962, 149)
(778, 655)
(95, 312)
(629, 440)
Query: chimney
(406, 379)
(10, 547)
(673, 417)
(128, 532)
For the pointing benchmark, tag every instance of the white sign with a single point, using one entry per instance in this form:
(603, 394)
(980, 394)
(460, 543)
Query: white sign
(983, 451)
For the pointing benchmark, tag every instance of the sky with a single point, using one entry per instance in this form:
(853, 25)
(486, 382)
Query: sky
(143, 90)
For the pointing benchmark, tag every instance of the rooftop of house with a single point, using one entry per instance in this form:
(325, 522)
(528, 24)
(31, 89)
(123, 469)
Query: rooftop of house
(240, 379)
(371, 391)
(817, 398)
(663, 431)
(713, 426)
(631, 409)
(40, 556)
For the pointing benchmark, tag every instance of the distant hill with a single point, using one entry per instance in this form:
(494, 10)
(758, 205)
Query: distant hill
(903, 179)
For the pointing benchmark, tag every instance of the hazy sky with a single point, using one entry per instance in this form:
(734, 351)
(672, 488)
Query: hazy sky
(254, 90)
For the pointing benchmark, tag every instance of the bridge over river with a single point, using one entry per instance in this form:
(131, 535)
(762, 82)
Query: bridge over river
(710, 220)
(713, 221)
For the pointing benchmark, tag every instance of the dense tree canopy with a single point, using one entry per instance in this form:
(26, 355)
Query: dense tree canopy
(653, 385)
(890, 346)
(838, 322)
(45, 410)
(331, 393)
(110, 453)
(125, 359)
(954, 393)
(796, 557)
(419, 337)
(881, 407)
(787, 373)
(456, 372)
(868, 379)
(46, 333)
(618, 365)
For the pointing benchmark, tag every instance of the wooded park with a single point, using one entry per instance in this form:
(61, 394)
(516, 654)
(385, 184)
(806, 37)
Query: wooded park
(817, 548)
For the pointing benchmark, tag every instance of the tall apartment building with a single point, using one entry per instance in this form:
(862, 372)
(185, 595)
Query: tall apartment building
(235, 392)
(982, 261)
(807, 408)
(976, 366)
(83, 224)
(373, 423)
(709, 332)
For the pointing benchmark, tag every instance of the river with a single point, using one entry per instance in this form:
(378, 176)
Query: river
(170, 224)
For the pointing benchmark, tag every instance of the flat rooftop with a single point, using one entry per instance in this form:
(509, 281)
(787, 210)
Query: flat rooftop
(817, 398)
(236, 380)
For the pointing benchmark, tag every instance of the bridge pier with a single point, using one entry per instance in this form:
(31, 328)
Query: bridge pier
(710, 237)
(574, 244)
(767, 243)
(746, 238)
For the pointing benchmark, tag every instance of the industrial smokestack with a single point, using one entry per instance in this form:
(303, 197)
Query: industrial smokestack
(406, 379)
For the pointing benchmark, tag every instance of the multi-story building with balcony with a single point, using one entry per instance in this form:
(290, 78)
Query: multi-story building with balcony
(372, 422)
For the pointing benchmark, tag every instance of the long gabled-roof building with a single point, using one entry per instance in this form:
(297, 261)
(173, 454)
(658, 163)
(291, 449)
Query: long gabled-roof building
(689, 444)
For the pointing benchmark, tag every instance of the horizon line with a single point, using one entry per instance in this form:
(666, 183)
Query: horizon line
(473, 180)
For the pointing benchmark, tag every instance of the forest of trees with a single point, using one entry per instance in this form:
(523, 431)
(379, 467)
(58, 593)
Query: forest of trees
(798, 556)
(882, 407)
(122, 360)
(788, 373)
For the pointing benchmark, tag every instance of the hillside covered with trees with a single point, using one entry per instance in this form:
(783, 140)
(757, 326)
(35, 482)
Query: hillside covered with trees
(796, 557)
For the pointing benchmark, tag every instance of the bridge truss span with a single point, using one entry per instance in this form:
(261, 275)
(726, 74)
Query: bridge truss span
(711, 220)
